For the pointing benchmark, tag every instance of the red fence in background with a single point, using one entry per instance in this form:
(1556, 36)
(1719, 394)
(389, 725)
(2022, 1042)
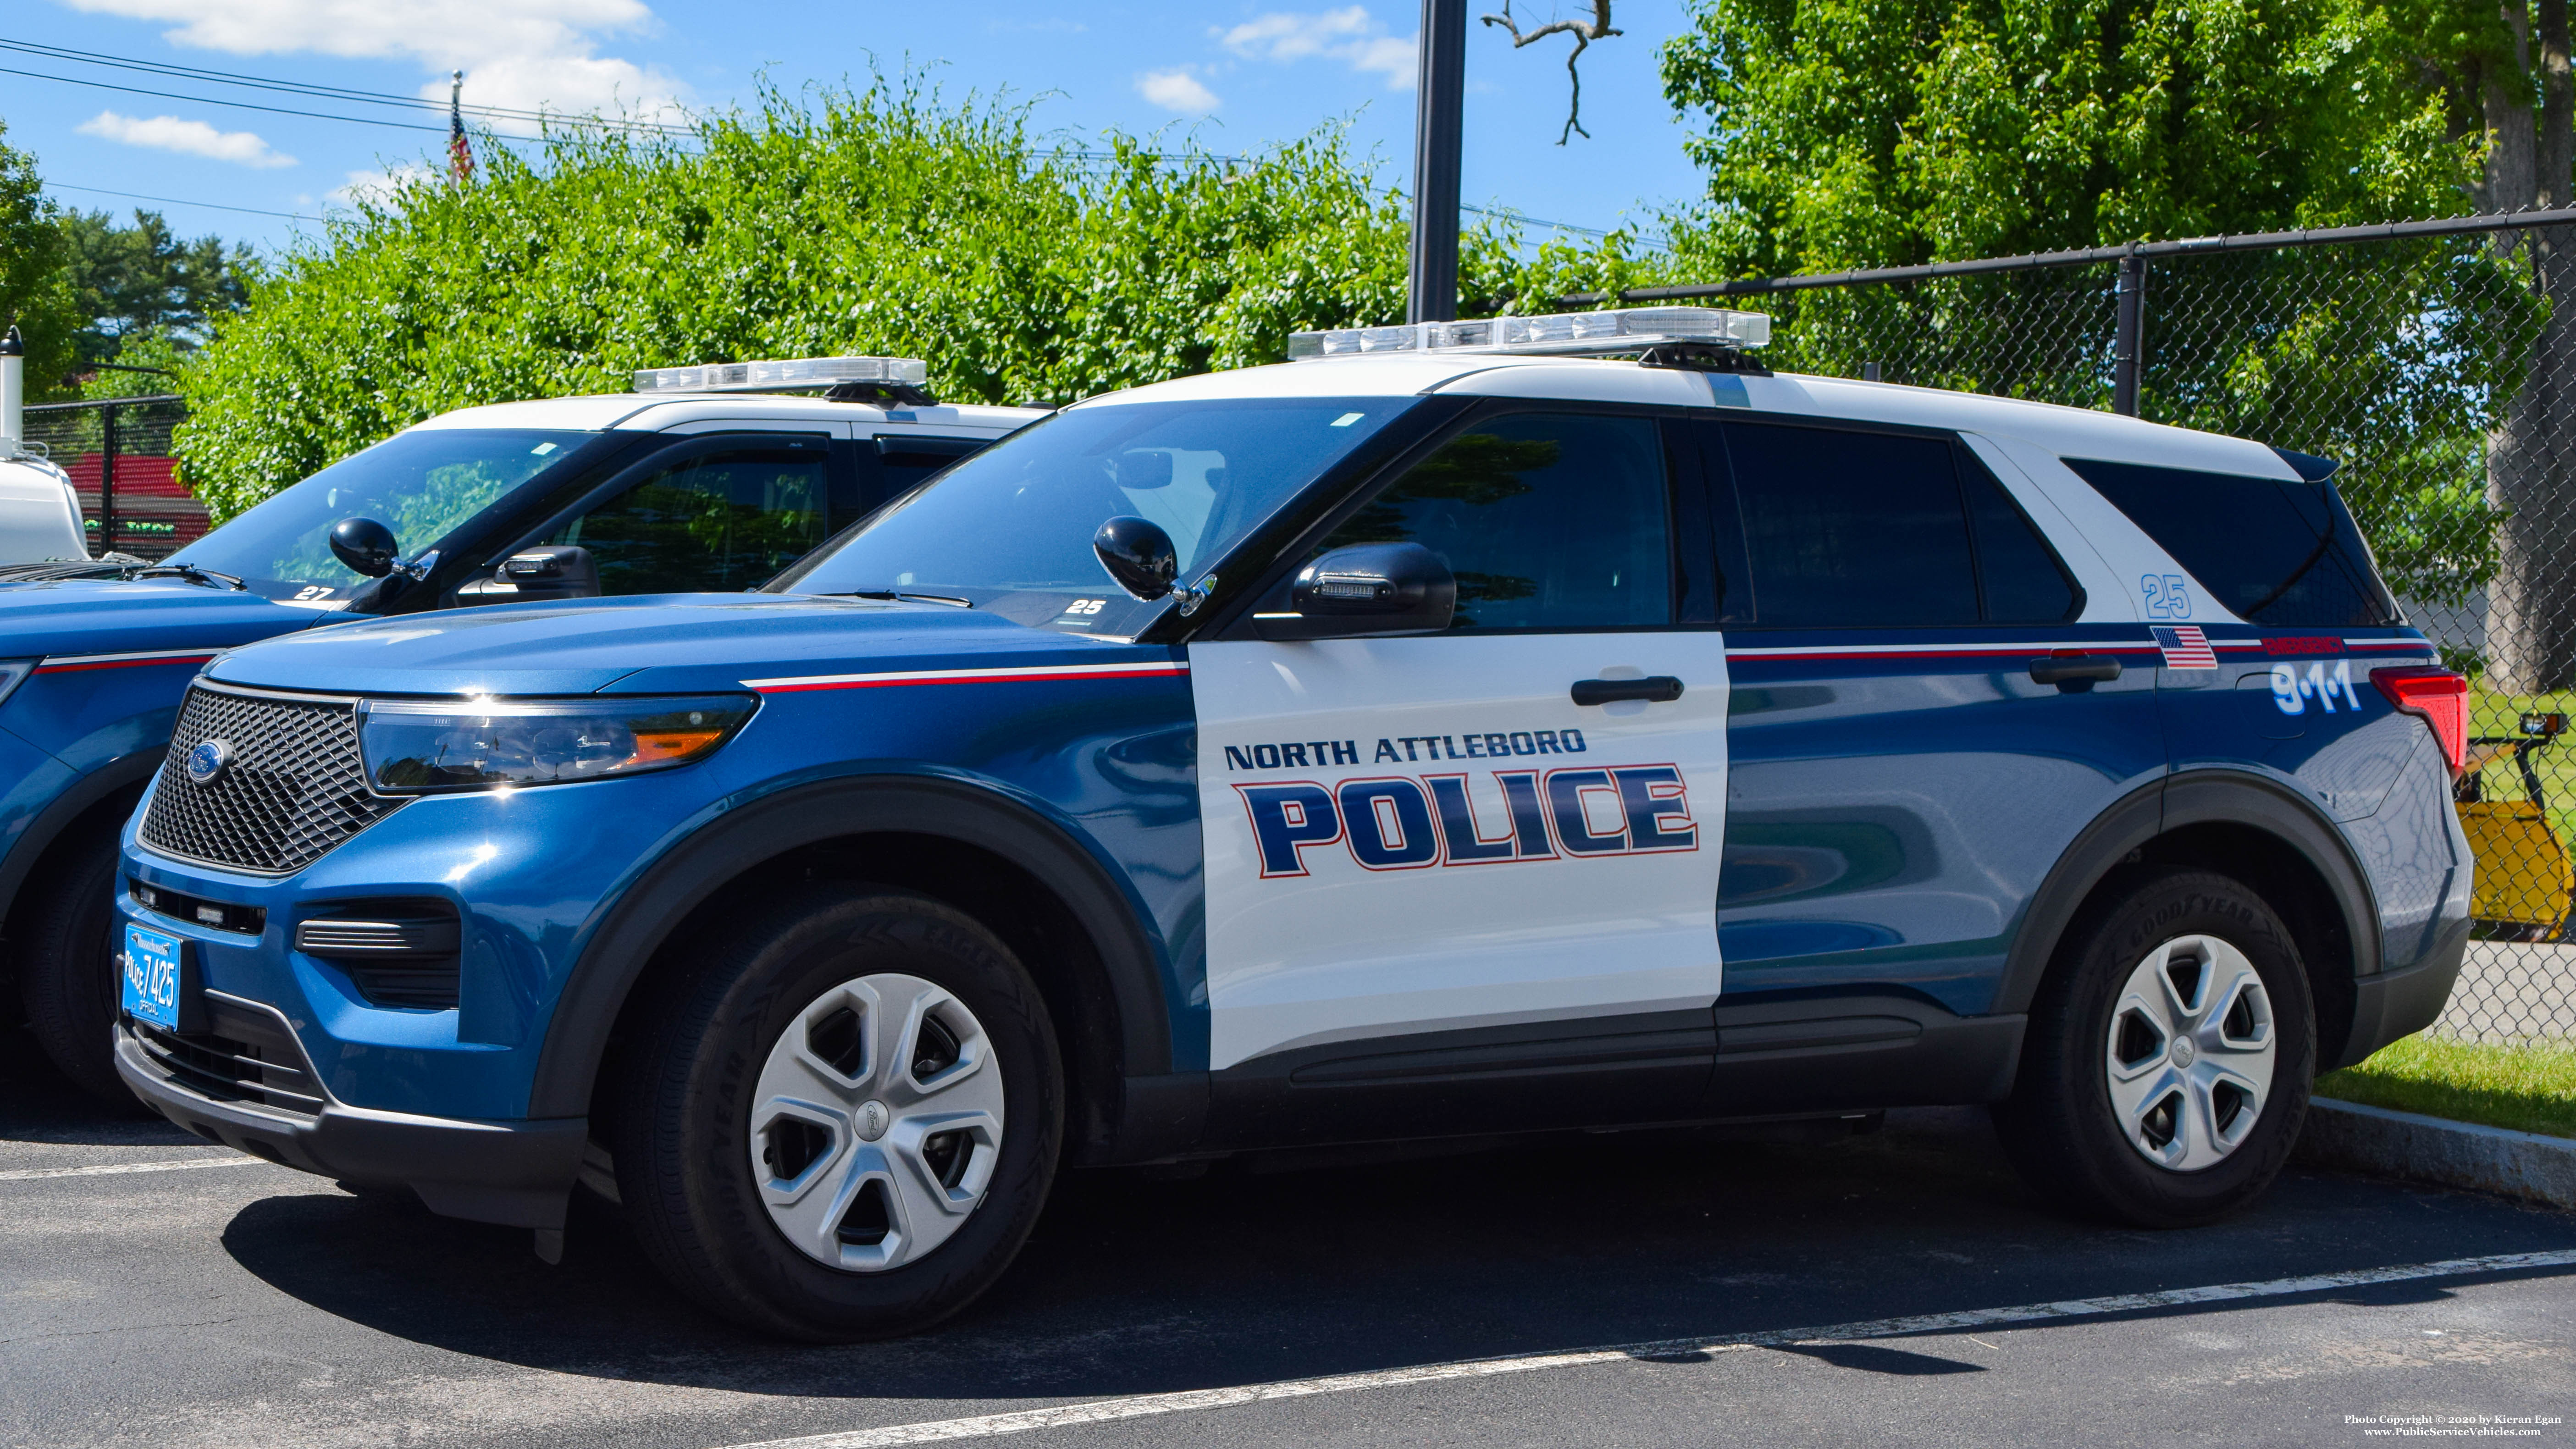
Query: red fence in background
(117, 451)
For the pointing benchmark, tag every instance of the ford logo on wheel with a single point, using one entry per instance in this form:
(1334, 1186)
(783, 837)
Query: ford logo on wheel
(207, 761)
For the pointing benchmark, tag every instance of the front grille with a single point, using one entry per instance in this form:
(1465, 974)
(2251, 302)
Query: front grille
(292, 787)
(244, 1056)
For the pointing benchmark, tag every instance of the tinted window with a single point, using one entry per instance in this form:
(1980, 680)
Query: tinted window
(1550, 521)
(903, 460)
(2274, 551)
(714, 522)
(1843, 529)
(2024, 582)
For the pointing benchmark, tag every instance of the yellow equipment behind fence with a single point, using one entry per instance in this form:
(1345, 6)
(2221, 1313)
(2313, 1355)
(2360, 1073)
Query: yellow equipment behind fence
(2525, 887)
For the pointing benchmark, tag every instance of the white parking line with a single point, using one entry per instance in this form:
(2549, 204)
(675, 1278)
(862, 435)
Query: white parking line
(1141, 1406)
(112, 1169)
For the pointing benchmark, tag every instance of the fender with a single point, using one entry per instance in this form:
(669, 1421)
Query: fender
(2194, 797)
(577, 1033)
(38, 839)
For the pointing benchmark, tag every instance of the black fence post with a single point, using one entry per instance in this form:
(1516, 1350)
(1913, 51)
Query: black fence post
(107, 480)
(2128, 343)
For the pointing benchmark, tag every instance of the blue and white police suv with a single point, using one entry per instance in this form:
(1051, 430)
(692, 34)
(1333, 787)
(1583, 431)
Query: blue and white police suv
(1547, 723)
(700, 479)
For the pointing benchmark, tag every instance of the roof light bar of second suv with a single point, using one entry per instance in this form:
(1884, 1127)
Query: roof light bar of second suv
(791, 374)
(1564, 334)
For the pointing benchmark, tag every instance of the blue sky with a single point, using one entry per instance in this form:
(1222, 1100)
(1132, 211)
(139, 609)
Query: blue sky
(1236, 75)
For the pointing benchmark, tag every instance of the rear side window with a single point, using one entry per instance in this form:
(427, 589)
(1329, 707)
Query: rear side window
(2275, 551)
(1832, 529)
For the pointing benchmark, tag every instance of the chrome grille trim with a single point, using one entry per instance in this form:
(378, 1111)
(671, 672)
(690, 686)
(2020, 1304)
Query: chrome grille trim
(294, 788)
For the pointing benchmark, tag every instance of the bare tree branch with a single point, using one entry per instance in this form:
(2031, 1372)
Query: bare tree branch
(1584, 32)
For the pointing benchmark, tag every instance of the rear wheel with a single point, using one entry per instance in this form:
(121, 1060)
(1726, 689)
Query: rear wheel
(67, 969)
(2169, 1057)
(843, 1124)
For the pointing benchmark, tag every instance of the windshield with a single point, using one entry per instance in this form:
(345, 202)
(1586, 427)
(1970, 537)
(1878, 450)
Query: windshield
(1010, 529)
(421, 484)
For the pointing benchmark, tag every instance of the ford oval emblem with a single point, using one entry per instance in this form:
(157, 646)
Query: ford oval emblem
(207, 761)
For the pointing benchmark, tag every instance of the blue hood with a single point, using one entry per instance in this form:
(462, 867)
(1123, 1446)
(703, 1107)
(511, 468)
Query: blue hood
(650, 644)
(102, 616)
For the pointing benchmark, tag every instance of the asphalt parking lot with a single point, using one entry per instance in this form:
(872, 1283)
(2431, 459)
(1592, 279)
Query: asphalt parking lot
(245, 1304)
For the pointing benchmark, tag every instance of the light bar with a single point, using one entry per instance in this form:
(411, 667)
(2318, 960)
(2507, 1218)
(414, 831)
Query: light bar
(1569, 334)
(782, 375)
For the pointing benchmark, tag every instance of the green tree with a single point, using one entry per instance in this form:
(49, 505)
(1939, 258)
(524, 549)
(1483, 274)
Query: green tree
(142, 280)
(35, 293)
(880, 220)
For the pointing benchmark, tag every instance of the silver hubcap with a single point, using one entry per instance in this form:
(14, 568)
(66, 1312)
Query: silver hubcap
(2192, 1048)
(876, 1123)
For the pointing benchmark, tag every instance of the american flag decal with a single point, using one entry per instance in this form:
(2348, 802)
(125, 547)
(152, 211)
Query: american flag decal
(2185, 647)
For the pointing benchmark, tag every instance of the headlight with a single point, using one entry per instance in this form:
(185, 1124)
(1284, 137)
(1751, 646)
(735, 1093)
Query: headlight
(416, 747)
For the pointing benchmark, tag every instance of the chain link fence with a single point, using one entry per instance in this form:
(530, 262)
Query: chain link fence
(118, 453)
(2425, 359)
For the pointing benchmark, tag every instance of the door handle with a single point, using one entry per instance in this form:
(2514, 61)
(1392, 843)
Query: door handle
(1659, 688)
(2064, 669)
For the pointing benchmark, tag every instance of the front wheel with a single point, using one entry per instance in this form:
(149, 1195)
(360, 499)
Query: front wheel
(842, 1123)
(2169, 1057)
(67, 966)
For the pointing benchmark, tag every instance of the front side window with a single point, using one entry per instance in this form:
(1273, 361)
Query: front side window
(2274, 551)
(714, 522)
(423, 484)
(1549, 521)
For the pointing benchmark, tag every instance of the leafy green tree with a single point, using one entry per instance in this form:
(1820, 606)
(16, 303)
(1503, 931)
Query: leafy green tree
(1842, 134)
(35, 294)
(880, 220)
(142, 280)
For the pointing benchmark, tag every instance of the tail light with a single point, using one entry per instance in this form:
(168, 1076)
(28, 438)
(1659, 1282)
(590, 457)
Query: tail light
(2438, 697)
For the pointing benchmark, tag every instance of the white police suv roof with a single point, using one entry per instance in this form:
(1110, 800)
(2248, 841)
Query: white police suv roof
(660, 412)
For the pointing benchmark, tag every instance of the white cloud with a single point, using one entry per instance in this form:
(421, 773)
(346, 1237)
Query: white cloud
(1350, 35)
(522, 54)
(378, 186)
(188, 138)
(1176, 90)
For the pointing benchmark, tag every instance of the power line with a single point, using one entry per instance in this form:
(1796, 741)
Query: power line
(211, 101)
(176, 201)
(300, 88)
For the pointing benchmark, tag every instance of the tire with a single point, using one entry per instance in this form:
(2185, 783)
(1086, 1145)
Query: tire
(2164, 1009)
(67, 969)
(784, 1165)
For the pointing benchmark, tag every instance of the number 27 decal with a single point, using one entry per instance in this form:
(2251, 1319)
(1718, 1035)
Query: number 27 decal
(2168, 595)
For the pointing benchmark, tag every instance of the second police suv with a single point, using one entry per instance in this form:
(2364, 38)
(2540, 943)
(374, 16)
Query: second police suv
(1443, 735)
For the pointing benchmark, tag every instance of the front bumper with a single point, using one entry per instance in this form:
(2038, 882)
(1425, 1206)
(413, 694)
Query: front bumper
(247, 1083)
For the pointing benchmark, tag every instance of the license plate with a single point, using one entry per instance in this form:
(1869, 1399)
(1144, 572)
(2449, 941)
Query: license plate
(152, 977)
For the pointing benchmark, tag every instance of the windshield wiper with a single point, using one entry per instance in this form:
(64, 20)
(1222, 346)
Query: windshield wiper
(949, 599)
(192, 574)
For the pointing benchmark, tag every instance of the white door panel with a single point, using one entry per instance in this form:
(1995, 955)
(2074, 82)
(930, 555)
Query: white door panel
(1418, 834)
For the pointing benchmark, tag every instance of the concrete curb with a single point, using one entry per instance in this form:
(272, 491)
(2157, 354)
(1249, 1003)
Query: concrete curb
(2433, 1149)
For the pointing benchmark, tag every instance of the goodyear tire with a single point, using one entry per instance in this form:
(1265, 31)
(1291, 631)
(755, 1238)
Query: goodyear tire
(2169, 1057)
(67, 968)
(842, 1120)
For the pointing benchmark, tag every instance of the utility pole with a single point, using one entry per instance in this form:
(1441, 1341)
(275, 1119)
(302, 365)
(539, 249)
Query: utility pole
(1438, 124)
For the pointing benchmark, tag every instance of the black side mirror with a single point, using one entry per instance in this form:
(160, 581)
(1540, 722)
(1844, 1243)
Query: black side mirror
(557, 571)
(1139, 555)
(366, 546)
(1363, 591)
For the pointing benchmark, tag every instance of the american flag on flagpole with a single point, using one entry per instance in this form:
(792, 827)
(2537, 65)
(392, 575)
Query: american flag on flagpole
(2185, 647)
(460, 153)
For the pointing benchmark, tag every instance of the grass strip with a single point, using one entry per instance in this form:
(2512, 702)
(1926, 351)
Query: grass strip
(2525, 1088)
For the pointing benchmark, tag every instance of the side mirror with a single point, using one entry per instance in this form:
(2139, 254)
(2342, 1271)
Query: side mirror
(366, 546)
(1139, 555)
(558, 571)
(1363, 591)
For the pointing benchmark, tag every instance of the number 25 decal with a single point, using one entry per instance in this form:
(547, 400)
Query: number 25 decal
(2168, 595)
